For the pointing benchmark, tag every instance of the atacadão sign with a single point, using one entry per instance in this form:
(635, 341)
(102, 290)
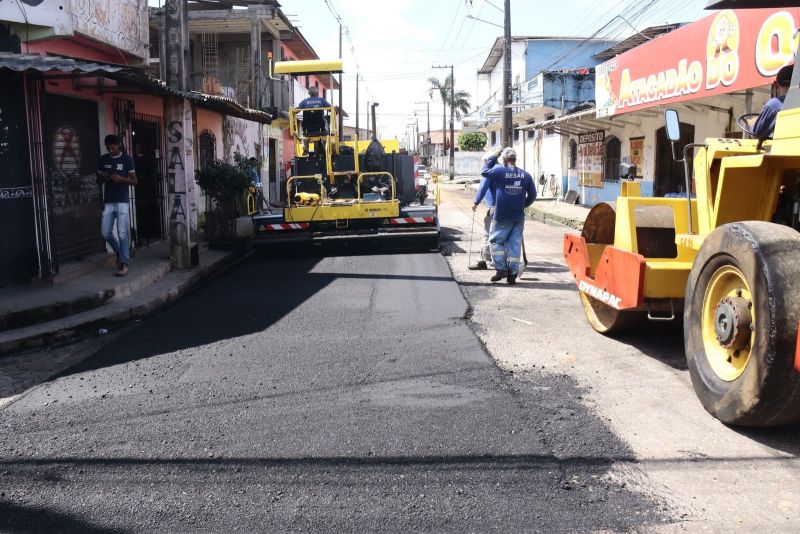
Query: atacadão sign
(732, 50)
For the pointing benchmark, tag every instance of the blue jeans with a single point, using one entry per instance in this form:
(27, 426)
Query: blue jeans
(505, 238)
(118, 211)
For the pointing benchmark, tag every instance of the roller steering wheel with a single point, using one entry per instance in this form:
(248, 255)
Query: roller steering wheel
(744, 123)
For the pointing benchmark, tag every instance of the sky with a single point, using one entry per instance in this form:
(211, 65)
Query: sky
(396, 42)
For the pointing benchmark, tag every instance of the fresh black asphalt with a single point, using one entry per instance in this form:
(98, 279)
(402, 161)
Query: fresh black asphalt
(336, 394)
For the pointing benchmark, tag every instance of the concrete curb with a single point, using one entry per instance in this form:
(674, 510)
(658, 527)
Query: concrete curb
(57, 310)
(553, 219)
(537, 214)
(119, 310)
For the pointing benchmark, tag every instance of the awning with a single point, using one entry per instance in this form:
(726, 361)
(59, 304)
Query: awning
(744, 4)
(126, 75)
(561, 121)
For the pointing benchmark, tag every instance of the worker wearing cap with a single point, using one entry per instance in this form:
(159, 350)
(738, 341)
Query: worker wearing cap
(314, 122)
(313, 100)
(486, 250)
(765, 123)
(514, 191)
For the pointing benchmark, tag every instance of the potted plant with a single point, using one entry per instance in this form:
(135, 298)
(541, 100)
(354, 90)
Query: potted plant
(225, 185)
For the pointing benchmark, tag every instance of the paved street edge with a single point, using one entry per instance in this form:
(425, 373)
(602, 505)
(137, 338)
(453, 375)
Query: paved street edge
(66, 330)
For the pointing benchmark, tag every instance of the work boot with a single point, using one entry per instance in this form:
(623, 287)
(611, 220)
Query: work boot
(479, 266)
(499, 276)
(511, 279)
(123, 270)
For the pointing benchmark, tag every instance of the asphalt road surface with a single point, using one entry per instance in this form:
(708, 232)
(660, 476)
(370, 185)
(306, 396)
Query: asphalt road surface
(324, 394)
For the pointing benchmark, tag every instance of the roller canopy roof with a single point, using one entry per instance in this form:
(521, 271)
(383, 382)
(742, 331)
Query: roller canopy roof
(744, 4)
(300, 68)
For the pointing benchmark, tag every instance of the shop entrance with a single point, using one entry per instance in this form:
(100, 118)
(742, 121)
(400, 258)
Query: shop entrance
(18, 243)
(273, 170)
(148, 152)
(669, 173)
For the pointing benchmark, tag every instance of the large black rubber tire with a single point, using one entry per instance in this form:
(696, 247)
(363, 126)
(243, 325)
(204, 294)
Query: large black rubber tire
(768, 390)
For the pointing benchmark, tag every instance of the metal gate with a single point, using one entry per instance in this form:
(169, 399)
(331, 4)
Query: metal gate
(148, 154)
(71, 155)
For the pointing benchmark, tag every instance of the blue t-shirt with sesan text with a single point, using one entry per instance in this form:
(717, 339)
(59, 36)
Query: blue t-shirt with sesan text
(121, 165)
(513, 190)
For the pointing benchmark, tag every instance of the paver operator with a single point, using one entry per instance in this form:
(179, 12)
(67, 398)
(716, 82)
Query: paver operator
(514, 191)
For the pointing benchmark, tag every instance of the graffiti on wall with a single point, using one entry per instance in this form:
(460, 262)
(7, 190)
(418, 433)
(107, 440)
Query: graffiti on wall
(242, 136)
(122, 23)
(71, 191)
(180, 182)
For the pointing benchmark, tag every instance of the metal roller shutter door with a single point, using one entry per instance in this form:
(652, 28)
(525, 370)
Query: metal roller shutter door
(72, 151)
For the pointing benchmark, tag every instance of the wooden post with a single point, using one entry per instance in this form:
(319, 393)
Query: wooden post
(181, 199)
(255, 62)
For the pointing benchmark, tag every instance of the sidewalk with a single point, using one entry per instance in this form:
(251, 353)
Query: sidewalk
(560, 213)
(32, 316)
(551, 211)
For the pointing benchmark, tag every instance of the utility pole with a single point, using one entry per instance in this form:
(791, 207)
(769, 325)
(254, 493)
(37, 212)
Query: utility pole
(341, 116)
(416, 125)
(374, 121)
(507, 124)
(452, 119)
(427, 147)
(452, 125)
(183, 249)
(368, 130)
(357, 122)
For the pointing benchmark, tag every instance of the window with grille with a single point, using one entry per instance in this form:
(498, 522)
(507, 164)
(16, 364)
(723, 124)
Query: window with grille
(573, 154)
(613, 153)
(550, 117)
(207, 150)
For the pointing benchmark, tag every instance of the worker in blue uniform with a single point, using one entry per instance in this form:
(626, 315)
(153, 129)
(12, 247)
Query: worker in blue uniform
(514, 191)
(486, 251)
(765, 123)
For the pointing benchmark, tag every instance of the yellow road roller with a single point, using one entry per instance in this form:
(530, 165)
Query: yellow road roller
(727, 257)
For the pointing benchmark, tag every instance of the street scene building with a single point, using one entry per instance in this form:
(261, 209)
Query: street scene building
(79, 84)
(455, 266)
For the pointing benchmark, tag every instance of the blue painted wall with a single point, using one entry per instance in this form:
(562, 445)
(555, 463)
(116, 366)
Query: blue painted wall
(576, 88)
(561, 54)
(609, 192)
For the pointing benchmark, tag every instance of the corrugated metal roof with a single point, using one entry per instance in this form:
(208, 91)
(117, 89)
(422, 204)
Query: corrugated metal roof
(588, 113)
(496, 52)
(23, 62)
(132, 76)
(648, 34)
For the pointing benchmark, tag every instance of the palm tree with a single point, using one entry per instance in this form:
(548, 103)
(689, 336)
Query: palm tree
(458, 101)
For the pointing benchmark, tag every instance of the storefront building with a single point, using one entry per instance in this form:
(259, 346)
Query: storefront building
(711, 71)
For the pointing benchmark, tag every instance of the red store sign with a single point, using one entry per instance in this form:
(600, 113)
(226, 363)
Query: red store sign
(732, 50)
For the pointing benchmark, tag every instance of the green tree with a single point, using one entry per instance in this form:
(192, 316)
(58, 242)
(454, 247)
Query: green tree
(472, 141)
(458, 100)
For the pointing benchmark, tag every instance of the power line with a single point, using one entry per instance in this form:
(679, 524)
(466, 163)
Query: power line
(450, 29)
